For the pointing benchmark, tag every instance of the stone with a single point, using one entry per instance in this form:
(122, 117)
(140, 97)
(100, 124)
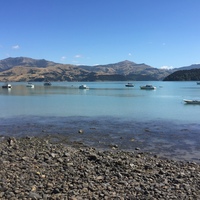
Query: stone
(41, 169)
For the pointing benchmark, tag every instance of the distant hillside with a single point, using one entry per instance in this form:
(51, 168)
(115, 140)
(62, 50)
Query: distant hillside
(123, 68)
(52, 73)
(28, 69)
(184, 75)
(128, 71)
(194, 66)
(9, 63)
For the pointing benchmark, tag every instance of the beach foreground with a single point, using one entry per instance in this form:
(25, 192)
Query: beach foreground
(42, 168)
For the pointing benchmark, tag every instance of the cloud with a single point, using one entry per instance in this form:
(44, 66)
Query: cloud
(130, 54)
(63, 58)
(166, 67)
(78, 56)
(15, 47)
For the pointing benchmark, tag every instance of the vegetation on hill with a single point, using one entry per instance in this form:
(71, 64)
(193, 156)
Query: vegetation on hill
(184, 75)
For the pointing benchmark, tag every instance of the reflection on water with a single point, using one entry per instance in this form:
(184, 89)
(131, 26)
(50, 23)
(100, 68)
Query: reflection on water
(157, 121)
(103, 98)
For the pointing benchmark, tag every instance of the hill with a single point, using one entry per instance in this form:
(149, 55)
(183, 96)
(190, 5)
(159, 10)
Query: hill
(194, 66)
(28, 69)
(126, 70)
(9, 63)
(184, 75)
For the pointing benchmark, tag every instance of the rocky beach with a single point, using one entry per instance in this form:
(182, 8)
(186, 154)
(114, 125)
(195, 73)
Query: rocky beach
(48, 168)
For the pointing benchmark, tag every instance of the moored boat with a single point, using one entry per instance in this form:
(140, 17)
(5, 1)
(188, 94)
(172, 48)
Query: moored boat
(83, 87)
(7, 86)
(148, 87)
(189, 101)
(198, 83)
(47, 83)
(129, 85)
(30, 85)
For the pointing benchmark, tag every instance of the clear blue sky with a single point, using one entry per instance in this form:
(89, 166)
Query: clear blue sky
(156, 32)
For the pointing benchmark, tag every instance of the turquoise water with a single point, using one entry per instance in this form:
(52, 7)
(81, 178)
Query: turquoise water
(157, 121)
(103, 99)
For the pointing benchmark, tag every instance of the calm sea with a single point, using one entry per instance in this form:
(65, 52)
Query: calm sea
(109, 113)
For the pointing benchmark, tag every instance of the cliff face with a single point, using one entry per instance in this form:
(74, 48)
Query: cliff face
(28, 69)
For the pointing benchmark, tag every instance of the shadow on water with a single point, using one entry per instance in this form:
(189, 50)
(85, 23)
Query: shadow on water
(164, 138)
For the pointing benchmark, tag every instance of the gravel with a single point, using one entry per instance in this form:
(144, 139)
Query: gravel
(41, 168)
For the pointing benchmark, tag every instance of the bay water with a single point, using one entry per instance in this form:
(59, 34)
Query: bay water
(157, 121)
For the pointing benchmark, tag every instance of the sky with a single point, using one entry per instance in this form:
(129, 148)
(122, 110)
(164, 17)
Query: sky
(159, 33)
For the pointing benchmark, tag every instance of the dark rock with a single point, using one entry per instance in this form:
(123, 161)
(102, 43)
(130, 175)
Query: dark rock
(41, 169)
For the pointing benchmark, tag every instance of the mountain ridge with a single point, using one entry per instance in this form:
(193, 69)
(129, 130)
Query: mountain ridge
(29, 69)
(193, 66)
(11, 62)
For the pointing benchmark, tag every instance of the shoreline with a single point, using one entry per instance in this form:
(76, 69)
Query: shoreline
(46, 168)
(178, 142)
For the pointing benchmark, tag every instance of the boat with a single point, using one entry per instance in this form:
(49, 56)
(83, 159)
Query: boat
(191, 101)
(30, 85)
(129, 85)
(47, 83)
(83, 87)
(6, 86)
(198, 83)
(148, 87)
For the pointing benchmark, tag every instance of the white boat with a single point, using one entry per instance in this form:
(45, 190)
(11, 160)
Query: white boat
(30, 85)
(148, 87)
(191, 101)
(7, 86)
(83, 87)
(47, 83)
(129, 85)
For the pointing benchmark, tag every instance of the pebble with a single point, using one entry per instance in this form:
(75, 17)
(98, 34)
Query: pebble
(38, 168)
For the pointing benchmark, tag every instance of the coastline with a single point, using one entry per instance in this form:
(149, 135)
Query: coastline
(166, 139)
(46, 168)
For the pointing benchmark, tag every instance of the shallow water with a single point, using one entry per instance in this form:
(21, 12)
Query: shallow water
(109, 113)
